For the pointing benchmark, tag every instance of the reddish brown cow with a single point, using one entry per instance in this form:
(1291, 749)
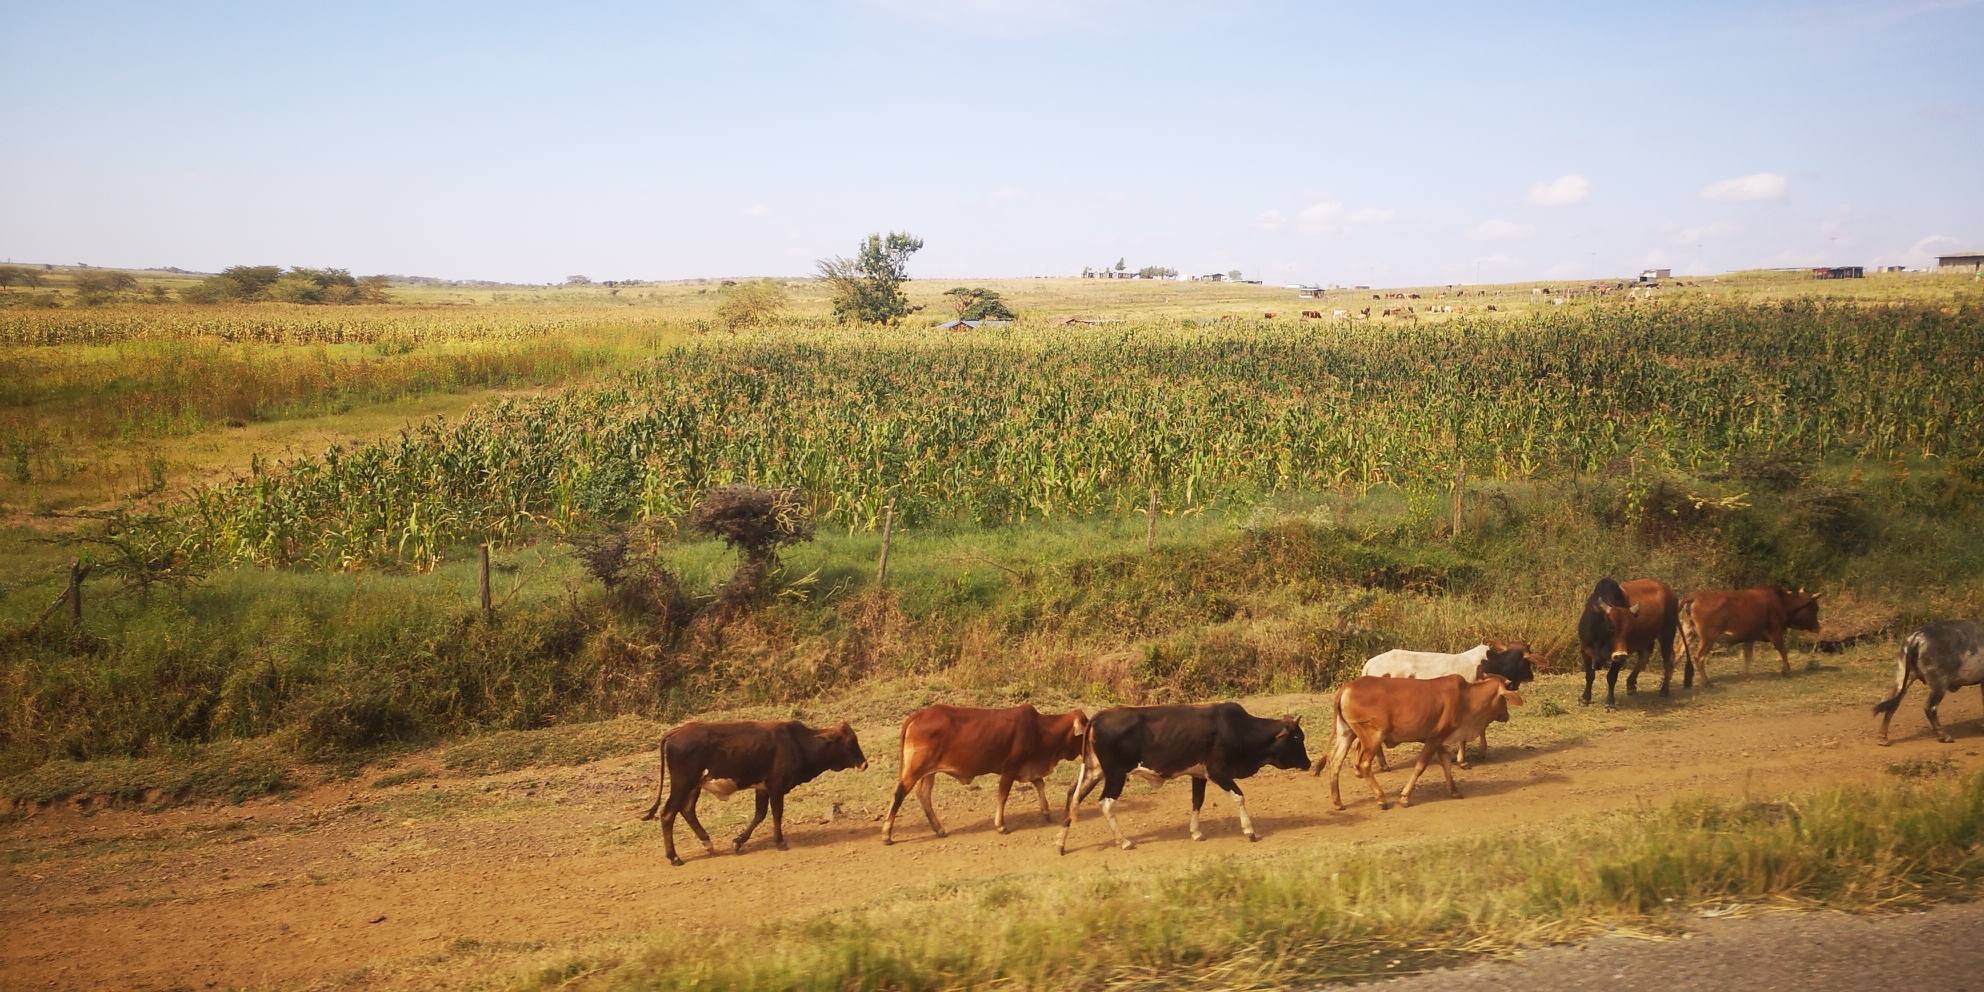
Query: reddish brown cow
(1375, 711)
(1746, 616)
(1020, 744)
(1623, 619)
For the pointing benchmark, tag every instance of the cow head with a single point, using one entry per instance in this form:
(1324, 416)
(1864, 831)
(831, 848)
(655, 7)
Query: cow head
(1619, 620)
(1801, 609)
(843, 749)
(1288, 750)
(1071, 739)
(1505, 697)
(1510, 661)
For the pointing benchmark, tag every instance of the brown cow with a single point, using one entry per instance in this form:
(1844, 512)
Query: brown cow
(770, 758)
(1625, 619)
(1745, 617)
(1374, 712)
(1019, 745)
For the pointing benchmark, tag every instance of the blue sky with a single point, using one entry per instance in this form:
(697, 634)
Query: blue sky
(1385, 144)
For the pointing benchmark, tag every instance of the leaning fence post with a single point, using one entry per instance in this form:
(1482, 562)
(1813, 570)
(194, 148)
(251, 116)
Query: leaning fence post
(484, 580)
(1460, 489)
(77, 573)
(888, 524)
(1150, 525)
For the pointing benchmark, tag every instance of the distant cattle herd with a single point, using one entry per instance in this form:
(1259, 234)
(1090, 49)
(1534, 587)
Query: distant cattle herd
(1440, 701)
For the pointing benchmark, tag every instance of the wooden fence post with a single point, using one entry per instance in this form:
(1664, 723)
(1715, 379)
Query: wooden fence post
(888, 524)
(484, 579)
(1460, 491)
(77, 573)
(1150, 526)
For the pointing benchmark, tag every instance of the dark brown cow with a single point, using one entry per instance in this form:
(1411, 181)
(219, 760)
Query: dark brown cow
(1623, 619)
(770, 758)
(1019, 745)
(1374, 712)
(1745, 617)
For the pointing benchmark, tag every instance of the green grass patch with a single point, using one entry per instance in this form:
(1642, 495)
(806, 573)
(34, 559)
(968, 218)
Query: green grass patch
(231, 772)
(1310, 916)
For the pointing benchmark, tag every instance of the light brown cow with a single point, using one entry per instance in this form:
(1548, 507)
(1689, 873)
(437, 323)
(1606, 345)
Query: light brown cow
(1373, 712)
(1746, 616)
(1020, 744)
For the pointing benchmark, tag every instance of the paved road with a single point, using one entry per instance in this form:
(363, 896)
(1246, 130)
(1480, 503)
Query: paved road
(1941, 950)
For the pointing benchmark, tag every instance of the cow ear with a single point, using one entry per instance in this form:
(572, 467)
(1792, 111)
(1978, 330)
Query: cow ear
(1514, 697)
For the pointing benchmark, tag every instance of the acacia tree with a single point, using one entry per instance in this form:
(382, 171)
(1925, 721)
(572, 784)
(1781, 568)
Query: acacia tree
(747, 303)
(978, 304)
(868, 287)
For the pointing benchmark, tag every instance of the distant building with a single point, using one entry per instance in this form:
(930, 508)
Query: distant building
(1214, 277)
(1649, 275)
(1969, 261)
(1839, 272)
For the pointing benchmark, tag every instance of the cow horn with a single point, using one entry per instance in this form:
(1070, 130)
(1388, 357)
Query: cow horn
(1634, 609)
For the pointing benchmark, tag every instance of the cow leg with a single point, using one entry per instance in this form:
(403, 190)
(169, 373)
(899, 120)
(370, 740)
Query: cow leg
(1633, 675)
(1484, 746)
(1198, 800)
(695, 822)
(1240, 802)
(1666, 664)
(889, 827)
(1783, 658)
(1612, 683)
(1701, 663)
(1886, 709)
(1590, 673)
(1936, 699)
(923, 790)
(1337, 757)
(1112, 787)
(1364, 772)
(1068, 811)
(1040, 791)
(1447, 765)
(757, 817)
(999, 811)
(668, 838)
(1427, 752)
(1383, 765)
(778, 820)
(1747, 645)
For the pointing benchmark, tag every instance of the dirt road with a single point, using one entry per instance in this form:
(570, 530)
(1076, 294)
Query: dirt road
(469, 881)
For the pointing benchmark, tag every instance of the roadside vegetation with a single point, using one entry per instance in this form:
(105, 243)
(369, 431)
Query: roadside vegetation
(1371, 911)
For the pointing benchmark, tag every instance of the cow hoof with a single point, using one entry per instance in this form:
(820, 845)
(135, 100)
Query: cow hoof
(1947, 739)
(1384, 805)
(1129, 845)
(1001, 828)
(1883, 742)
(737, 847)
(888, 841)
(1198, 836)
(946, 833)
(1610, 707)
(1663, 692)
(780, 845)
(677, 862)
(1253, 838)
(1462, 765)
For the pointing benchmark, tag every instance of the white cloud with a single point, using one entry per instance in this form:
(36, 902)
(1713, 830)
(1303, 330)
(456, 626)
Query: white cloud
(1320, 218)
(1500, 230)
(1270, 220)
(757, 210)
(1371, 215)
(1697, 235)
(1742, 189)
(1923, 253)
(1563, 192)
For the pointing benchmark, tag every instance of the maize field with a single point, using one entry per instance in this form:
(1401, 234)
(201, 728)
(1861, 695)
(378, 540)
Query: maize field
(1030, 422)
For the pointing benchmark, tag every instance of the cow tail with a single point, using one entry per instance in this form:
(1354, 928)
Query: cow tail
(1687, 620)
(1338, 727)
(661, 777)
(1908, 667)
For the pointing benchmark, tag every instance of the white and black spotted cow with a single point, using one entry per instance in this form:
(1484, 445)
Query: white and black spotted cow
(1946, 656)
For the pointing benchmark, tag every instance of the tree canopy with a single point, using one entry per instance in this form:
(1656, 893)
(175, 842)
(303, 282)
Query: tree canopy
(243, 283)
(978, 304)
(868, 287)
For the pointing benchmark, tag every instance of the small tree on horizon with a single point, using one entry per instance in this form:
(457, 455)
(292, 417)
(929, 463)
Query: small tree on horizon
(868, 287)
(744, 304)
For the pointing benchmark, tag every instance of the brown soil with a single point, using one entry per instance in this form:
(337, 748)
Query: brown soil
(473, 881)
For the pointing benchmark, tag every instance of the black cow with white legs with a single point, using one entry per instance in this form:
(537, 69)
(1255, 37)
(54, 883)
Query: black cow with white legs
(1216, 742)
(1946, 656)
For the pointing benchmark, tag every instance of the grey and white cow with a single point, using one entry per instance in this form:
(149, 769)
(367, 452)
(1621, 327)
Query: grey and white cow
(1946, 655)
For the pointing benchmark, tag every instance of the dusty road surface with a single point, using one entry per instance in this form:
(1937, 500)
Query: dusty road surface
(1941, 949)
(471, 881)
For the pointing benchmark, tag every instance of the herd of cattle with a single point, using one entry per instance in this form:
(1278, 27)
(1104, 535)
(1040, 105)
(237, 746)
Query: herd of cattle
(1440, 701)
